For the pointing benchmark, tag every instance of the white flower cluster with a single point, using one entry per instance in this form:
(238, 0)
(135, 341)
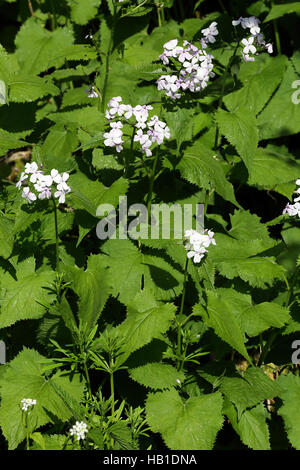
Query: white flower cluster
(195, 66)
(149, 131)
(294, 209)
(209, 34)
(27, 403)
(255, 40)
(42, 183)
(79, 430)
(196, 243)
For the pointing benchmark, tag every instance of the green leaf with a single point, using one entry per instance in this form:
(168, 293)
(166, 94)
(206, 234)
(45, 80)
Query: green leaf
(240, 129)
(26, 297)
(220, 317)
(39, 49)
(289, 411)
(185, 425)
(263, 163)
(25, 88)
(280, 10)
(82, 11)
(92, 288)
(251, 427)
(23, 379)
(200, 167)
(157, 376)
(6, 236)
(260, 317)
(146, 319)
(264, 74)
(281, 117)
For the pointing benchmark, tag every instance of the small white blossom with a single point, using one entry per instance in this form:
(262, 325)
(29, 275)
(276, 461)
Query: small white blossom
(79, 430)
(27, 403)
(197, 243)
(27, 194)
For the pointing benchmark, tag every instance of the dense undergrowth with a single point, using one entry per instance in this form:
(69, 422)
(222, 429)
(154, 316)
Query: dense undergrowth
(149, 342)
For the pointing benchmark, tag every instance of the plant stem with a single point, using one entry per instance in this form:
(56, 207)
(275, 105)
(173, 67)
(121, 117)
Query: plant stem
(159, 16)
(152, 177)
(220, 101)
(107, 60)
(87, 379)
(30, 8)
(56, 235)
(26, 427)
(180, 313)
(53, 17)
(276, 32)
(112, 393)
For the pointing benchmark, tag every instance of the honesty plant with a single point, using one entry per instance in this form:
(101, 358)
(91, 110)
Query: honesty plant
(130, 116)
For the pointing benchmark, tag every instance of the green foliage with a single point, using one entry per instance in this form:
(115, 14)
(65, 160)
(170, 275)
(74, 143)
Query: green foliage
(186, 425)
(127, 334)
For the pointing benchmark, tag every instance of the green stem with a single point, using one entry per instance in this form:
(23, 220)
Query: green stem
(26, 427)
(159, 16)
(180, 313)
(107, 60)
(276, 32)
(112, 393)
(53, 17)
(56, 235)
(87, 379)
(152, 177)
(220, 101)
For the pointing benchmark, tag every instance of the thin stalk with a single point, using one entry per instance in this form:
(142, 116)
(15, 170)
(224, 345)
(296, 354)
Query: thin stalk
(180, 313)
(220, 101)
(107, 60)
(30, 8)
(222, 6)
(53, 17)
(276, 32)
(159, 16)
(87, 379)
(152, 177)
(56, 235)
(26, 427)
(181, 9)
(112, 393)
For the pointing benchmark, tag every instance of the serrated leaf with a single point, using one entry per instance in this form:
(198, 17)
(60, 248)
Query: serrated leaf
(240, 129)
(219, 317)
(157, 376)
(82, 11)
(185, 425)
(289, 411)
(27, 296)
(38, 49)
(251, 426)
(146, 319)
(23, 379)
(199, 167)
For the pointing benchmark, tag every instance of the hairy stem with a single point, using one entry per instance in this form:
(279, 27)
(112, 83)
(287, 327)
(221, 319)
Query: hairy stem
(107, 60)
(180, 313)
(152, 177)
(220, 101)
(56, 236)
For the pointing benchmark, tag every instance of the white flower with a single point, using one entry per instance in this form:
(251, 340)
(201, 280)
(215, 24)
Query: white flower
(196, 243)
(61, 195)
(27, 403)
(27, 194)
(92, 93)
(249, 47)
(60, 180)
(23, 178)
(210, 32)
(170, 45)
(32, 169)
(79, 430)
